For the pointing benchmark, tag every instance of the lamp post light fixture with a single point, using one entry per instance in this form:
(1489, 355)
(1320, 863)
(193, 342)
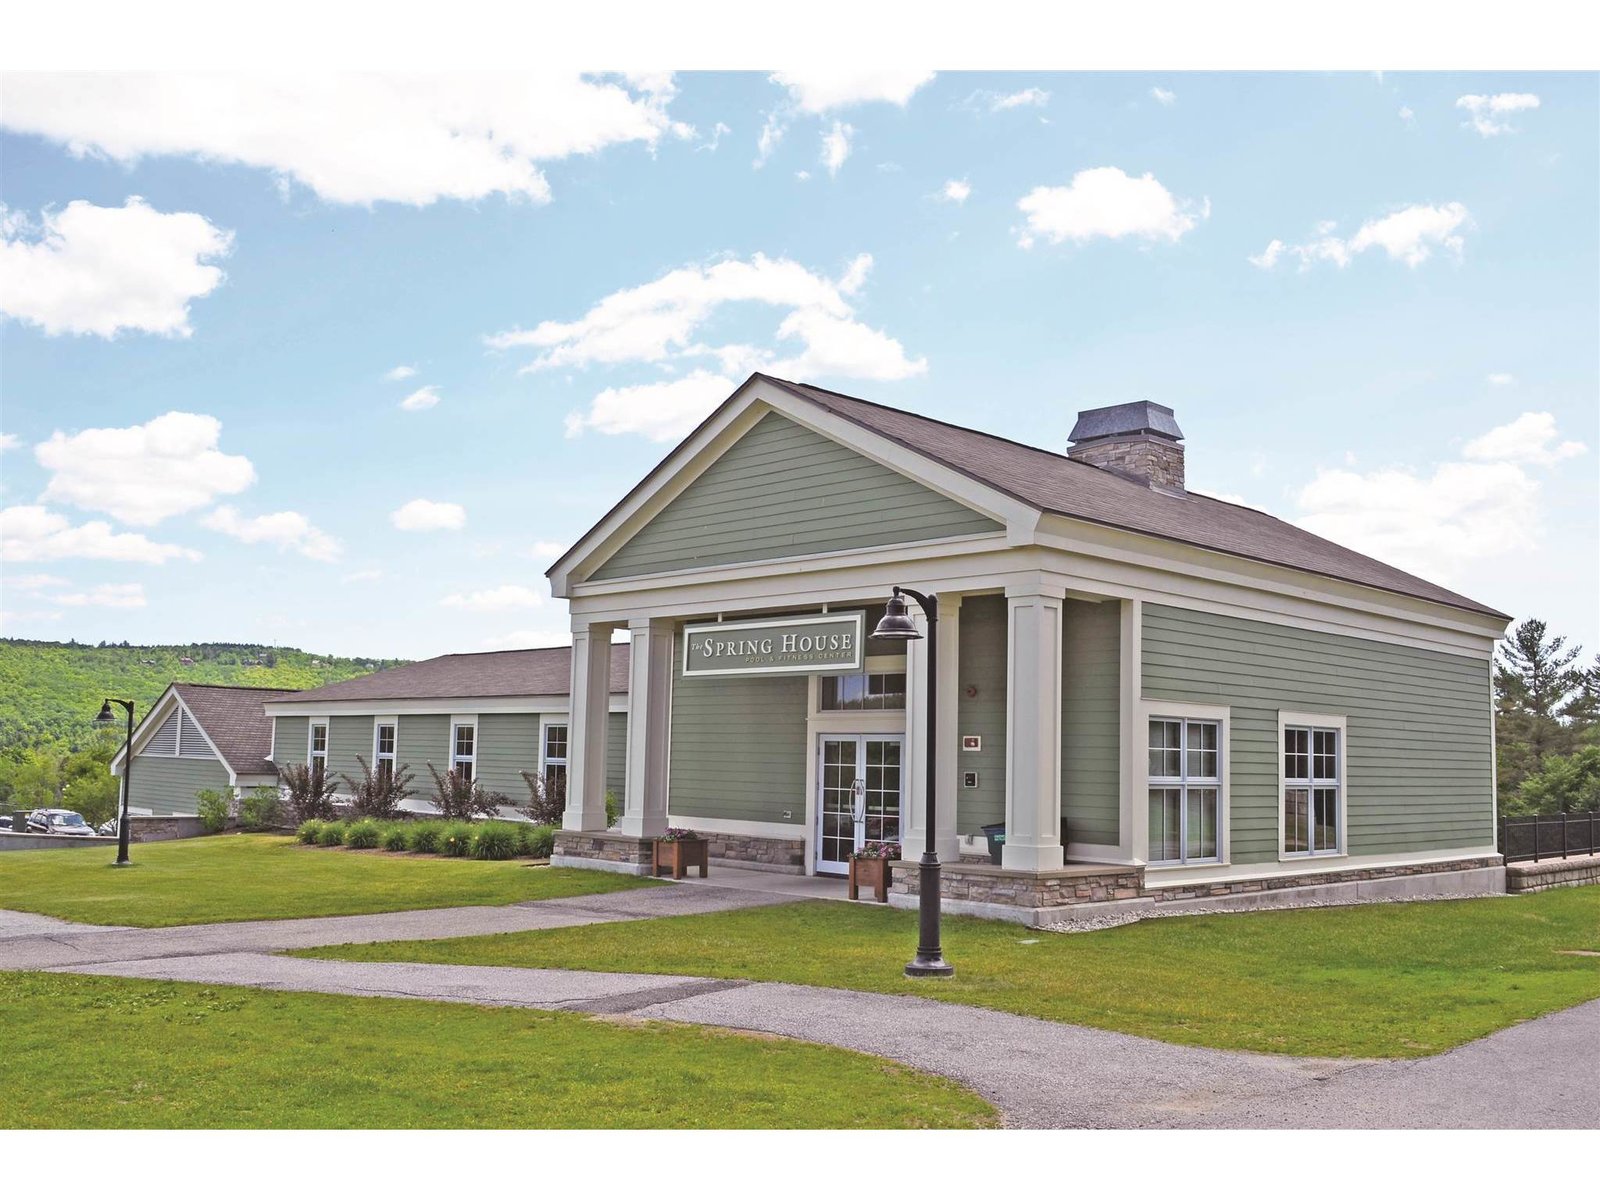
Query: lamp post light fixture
(897, 625)
(104, 720)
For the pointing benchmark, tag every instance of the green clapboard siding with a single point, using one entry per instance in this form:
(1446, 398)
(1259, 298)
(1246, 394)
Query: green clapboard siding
(617, 756)
(508, 744)
(348, 737)
(1091, 721)
(423, 738)
(738, 747)
(290, 737)
(982, 657)
(166, 786)
(1418, 764)
(781, 490)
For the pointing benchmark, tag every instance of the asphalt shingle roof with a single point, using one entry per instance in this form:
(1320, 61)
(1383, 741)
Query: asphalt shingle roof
(546, 672)
(235, 722)
(1055, 483)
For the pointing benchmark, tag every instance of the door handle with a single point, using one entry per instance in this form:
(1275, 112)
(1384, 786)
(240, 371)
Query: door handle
(858, 798)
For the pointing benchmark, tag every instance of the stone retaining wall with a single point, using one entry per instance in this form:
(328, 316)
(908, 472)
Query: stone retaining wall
(982, 883)
(1552, 873)
(602, 851)
(1244, 887)
(786, 856)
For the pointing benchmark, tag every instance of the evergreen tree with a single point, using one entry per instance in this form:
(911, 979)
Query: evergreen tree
(1582, 709)
(1533, 678)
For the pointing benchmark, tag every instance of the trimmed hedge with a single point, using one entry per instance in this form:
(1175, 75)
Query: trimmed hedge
(488, 840)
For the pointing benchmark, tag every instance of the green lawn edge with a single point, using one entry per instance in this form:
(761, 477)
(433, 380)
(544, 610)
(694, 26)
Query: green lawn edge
(256, 877)
(1368, 981)
(89, 1052)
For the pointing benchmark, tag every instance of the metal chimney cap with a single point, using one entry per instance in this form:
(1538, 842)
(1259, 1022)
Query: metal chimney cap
(1126, 420)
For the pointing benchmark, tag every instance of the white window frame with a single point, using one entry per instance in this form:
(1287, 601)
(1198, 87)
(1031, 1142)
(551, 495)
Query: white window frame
(460, 723)
(311, 742)
(875, 665)
(545, 721)
(1182, 783)
(1327, 721)
(1146, 711)
(393, 757)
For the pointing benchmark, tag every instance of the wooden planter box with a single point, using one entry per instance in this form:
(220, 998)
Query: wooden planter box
(677, 857)
(871, 873)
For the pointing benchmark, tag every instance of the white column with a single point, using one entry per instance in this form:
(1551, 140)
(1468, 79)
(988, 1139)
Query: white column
(1033, 729)
(914, 760)
(649, 723)
(1134, 827)
(586, 728)
(948, 721)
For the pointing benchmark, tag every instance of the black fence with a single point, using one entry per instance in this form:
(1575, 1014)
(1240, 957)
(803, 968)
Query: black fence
(1529, 839)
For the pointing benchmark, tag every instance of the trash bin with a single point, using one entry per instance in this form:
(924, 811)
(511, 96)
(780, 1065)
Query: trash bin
(997, 839)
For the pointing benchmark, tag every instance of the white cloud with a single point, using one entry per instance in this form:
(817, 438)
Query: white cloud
(548, 550)
(824, 90)
(836, 146)
(145, 473)
(1501, 378)
(9, 441)
(367, 575)
(86, 269)
(662, 412)
(956, 190)
(528, 639)
(1163, 97)
(106, 595)
(424, 516)
(35, 583)
(1531, 438)
(772, 130)
(1437, 524)
(285, 530)
(1107, 202)
(498, 599)
(1489, 115)
(1406, 115)
(1005, 101)
(351, 137)
(1409, 235)
(396, 374)
(32, 533)
(660, 323)
(422, 398)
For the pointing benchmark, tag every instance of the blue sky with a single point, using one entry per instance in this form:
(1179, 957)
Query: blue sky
(1373, 302)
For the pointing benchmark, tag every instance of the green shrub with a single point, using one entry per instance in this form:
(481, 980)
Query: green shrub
(261, 808)
(536, 841)
(362, 835)
(309, 832)
(396, 837)
(455, 839)
(423, 837)
(331, 833)
(494, 840)
(308, 790)
(613, 809)
(214, 809)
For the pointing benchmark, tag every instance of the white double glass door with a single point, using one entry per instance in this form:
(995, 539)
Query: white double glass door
(860, 780)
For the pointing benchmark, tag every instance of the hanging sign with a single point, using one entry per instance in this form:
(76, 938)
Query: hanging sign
(805, 645)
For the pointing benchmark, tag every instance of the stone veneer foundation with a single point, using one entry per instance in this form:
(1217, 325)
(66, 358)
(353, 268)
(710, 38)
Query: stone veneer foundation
(611, 851)
(1042, 897)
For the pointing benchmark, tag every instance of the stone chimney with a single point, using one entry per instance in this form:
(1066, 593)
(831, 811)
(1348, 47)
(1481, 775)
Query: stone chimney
(1139, 441)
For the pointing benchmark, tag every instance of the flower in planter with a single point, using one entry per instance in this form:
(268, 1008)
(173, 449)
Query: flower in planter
(877, 850)
(674, 834)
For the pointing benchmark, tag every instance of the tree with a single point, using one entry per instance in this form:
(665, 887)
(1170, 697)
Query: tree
(309, 792)
(1582, 709)
(378, 793)
(459, 797)
(1569, 783)
(1533, 677)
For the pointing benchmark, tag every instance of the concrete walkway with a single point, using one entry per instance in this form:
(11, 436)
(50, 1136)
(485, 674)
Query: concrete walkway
(1040, 1074)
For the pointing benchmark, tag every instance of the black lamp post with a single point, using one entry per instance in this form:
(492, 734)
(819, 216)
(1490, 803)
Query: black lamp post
(105, 719)
(897, 625)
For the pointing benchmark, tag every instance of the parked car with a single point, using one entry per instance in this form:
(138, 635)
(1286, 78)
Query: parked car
(59, 820)
(108, 828)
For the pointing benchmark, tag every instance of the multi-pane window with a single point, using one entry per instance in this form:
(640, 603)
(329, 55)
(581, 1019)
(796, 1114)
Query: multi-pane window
(383, 752)
(555, 762)
(863, 692)
(1312, 762)
(464, 750)
(317, 758)
(1185, 786)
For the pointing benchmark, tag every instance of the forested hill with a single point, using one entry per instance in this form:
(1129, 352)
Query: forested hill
(50, 691)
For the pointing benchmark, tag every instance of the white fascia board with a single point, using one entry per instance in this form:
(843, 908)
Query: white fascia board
(447, 706)
(735, 418)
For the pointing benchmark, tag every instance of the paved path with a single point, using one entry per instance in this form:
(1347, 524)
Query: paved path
(1040, 1074)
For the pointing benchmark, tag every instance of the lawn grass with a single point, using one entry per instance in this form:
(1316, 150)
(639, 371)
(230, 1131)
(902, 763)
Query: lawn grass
(248, 877)
(1380, 980)
(85, 1052)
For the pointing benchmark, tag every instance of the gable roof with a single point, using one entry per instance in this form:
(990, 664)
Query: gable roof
(1057, 484)
(545, 672)
(232, 717)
